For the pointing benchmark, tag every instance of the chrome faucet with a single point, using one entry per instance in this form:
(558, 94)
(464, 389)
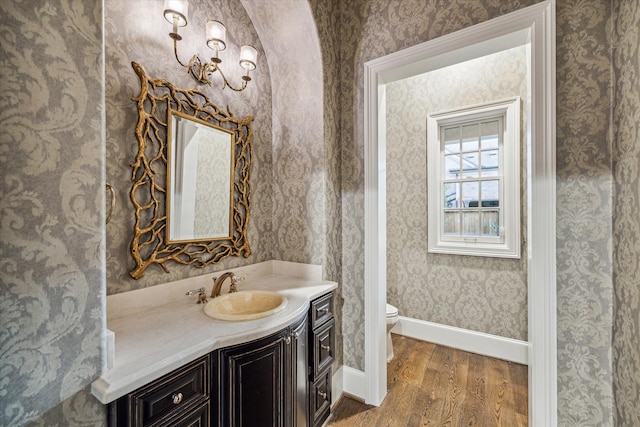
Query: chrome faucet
(218, 281)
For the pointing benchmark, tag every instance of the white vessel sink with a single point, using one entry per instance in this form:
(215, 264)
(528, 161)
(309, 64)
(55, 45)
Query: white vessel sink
(245, 305)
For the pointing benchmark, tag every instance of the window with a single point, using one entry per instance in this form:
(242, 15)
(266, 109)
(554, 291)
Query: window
(474, 180)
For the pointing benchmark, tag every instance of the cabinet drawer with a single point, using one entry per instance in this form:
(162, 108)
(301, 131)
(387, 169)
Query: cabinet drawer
(174, 393)
(321, 310)
(197, 417)
(323, 348)
(321, 398)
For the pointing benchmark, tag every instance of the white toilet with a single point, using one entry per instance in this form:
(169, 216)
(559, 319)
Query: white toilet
(392, 319)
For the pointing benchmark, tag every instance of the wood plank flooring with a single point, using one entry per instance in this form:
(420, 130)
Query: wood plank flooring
(432, 385)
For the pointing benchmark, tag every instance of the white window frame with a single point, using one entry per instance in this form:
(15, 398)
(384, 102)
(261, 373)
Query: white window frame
(508, 244)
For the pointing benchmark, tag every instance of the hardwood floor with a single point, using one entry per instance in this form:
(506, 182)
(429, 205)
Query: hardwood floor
(432, 385)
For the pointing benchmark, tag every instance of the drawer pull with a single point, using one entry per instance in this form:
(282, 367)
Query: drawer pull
(323, 310)
(177, 398)
(322, 394)
(325, 347)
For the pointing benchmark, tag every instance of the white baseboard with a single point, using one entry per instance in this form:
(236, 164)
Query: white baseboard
(354, 382)
(475, 342)
(337, 385)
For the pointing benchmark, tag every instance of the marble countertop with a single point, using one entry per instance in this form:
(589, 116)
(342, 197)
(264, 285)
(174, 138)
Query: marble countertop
(157, 339)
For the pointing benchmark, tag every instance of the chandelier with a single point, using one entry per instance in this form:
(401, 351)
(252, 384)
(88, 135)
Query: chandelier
(175, 12)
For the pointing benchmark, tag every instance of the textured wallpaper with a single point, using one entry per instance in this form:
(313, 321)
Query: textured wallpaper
(52, 210)
(326, 14)
(626, 223)
(298, 146)
(212, 206)
(135, 30)
(584, 210)
(481, 294)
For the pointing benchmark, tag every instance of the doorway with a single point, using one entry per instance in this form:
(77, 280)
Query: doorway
(536, 24)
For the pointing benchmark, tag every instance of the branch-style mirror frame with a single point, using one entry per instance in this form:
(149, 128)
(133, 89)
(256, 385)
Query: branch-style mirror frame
(149, 191)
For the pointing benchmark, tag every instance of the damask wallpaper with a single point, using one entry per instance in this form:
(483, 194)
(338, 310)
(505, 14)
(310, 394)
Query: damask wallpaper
(326, 15)
(52, 209)
(212, 191)
(481, 294)
(626, 217)
(584, 210)
(135, 30)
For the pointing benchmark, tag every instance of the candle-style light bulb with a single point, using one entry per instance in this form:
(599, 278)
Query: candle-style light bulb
(248, 57)
(216, 35)
(176, 10)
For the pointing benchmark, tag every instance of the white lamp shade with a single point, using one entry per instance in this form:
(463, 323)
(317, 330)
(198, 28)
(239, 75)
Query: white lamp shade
(248, 57)
(176, 8)
(216, 34)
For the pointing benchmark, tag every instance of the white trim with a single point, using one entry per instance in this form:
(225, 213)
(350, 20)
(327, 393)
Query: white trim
(463, 339)
(508, 245)
(537, 23)
(543, 383)
(375, 225)
(337, 385)
(354, 382)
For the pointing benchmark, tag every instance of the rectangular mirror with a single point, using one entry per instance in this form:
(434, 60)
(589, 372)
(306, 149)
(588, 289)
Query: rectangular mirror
(191, 179)
(200, 177)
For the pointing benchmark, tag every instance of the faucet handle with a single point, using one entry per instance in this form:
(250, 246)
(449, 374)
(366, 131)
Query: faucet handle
(234, 282)
(202, 296)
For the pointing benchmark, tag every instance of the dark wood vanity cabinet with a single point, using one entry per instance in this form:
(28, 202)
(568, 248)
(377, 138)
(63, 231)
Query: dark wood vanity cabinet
(180, 398)
(283, 380)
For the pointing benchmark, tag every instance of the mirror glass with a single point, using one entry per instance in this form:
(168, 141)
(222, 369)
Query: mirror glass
(200, 177)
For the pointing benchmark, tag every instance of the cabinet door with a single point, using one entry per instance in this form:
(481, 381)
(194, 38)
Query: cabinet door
(299, 376)
(252, 382)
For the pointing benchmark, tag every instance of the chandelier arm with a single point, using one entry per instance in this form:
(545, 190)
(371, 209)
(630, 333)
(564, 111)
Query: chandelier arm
(175, 52)
(226, 82)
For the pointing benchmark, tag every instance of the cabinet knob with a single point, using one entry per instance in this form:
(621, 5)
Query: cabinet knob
(287, 340)
(177, 398)
(325, 347)
(322, 394)
(324, 310)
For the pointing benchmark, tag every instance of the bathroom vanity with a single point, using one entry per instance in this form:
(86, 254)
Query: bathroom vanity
(176, 366)
(180, 363)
